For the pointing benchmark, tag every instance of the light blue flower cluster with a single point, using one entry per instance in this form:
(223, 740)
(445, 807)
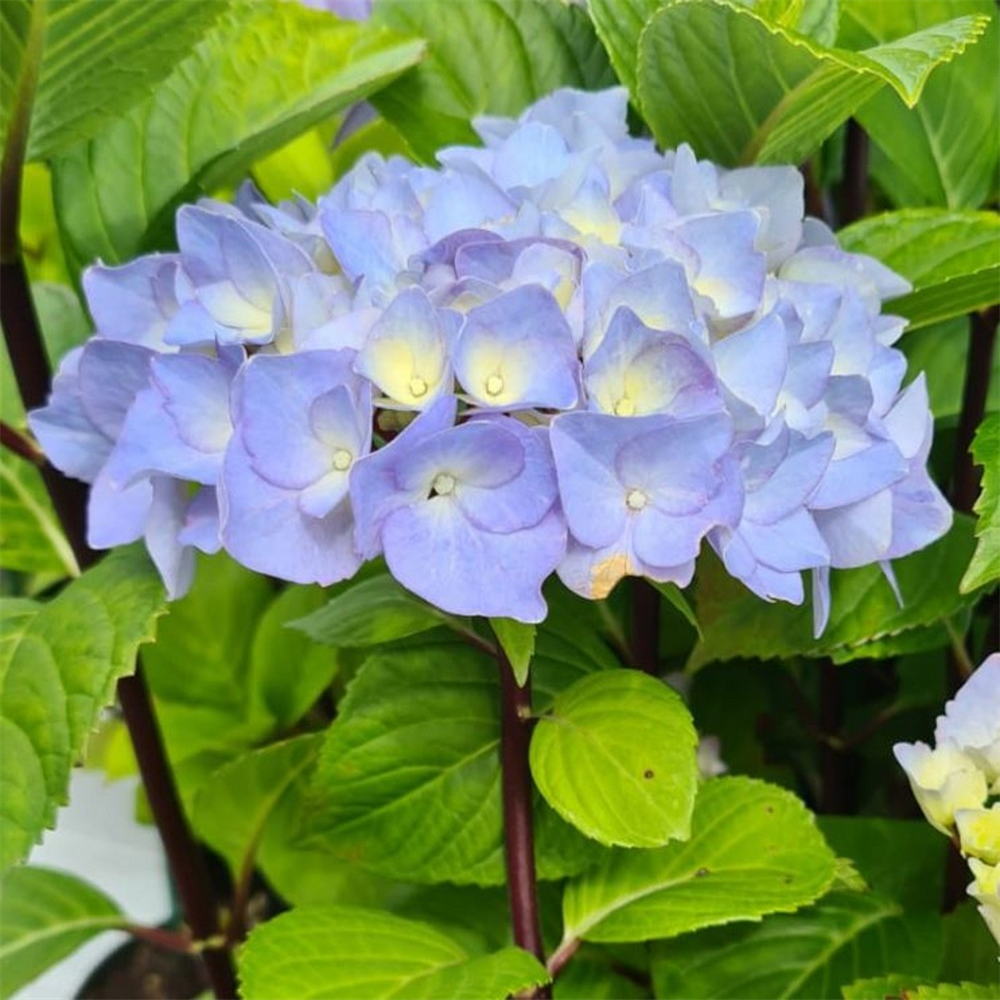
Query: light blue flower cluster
(563, 351)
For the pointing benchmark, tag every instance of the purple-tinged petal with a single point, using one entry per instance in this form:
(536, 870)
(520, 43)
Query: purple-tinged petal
(753, 362)
(637, 371)
(201, 522)
(116, 515)
(111, 374)
(517, 352)
(174, 560)
(133, 302)
(858, 533)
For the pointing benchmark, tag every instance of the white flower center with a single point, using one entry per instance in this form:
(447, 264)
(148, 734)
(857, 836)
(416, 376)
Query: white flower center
(635, 499)
(342, 459)
(494, 385)
(418, 387)
(443, 484)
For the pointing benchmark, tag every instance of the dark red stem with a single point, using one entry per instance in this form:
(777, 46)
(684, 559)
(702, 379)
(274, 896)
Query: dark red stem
(19, 444)
(31, 370)
(855, 189)
(515, 732)
(645, 627)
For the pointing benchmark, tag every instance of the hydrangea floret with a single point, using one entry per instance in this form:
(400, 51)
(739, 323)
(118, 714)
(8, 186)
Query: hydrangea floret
(562, 351)
(954, 781)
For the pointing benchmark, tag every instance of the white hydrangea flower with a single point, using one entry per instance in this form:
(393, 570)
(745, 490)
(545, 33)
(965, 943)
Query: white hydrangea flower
(979, 833)
(972, 719)
(943, 781)
(985, 890)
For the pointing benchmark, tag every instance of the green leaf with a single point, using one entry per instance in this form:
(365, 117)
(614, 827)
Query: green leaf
(807, 955)
(865, 618)
(598, 976)
(892, 987)
(952, 259)
(233, 808)
(408, 783)
(31, 538)
(349, 953)
(59, 663)
(740, 89)
(97, 60)
(619, 25)
(486, 57)
(518, 643)
(44, 916)
(226, 672)
(754, 849)
(237, 97)
(369, 613)
(616, 757)
(675, 596)
(985, 565)
(287, 671)
(932, 154)
(903, 860)
(819, 19)
(906, 987)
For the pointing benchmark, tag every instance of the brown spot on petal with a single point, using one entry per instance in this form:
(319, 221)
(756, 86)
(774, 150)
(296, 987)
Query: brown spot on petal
(606, 574)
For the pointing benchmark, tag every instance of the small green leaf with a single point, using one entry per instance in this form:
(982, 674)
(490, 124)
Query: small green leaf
(518, 643)
(233, 808)
(59, 663)
(865, 618)
(44, 916)
(349, 953)
(97, 60)
(369, 613)
(408, 783)
(754, 849)
(903, 860)
(807, 955)
(740, 89)
(675, 596)
(985, 565)
(485, 57)
(932, 154)
(236, 98)
(619, 25)
(952, 259)
(616, 757)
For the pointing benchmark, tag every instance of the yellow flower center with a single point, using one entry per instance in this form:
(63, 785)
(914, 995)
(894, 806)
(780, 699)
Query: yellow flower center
(494, 385)
(418, 387)
(342, 459)
(624, 407)
(443, 484)
(635, 499)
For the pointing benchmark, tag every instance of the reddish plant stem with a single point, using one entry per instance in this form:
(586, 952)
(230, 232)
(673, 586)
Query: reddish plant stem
(855, 188)
(522, 892)
(831, 719)
(645, 627)
(31, 370)
(19, 444)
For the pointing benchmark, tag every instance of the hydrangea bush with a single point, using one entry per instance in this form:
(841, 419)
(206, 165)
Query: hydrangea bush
(538, 444)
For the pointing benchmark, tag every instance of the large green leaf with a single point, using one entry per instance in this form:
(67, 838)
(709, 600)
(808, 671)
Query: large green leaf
(368, 613)
(944, 151)
(486, 57)
(616, 757)
(349, 953)
(985, 565)
(865, 618)
(408, 783)
(740, 89)
(97, 60)
(232, 809)
(754, 849)
(952, 259)
(59, 663)
(807, 955)
(619, 25)
(44, 916)
(241, 94)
